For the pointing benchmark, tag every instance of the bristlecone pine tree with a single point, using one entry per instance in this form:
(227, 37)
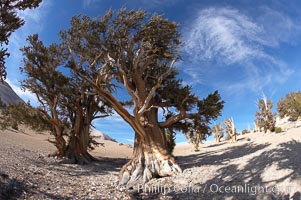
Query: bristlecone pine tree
(218, 131)
(230, 129)
(195, 137)
(67, 101)
(137, 53)
(265, 115)
(200, 127)
(189, 136)
(290, 105)
(43, 79)
(9, 22)
(258, 124)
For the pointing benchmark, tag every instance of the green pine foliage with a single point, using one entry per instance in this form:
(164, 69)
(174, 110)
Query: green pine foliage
(170, 137)
(23, 114)
(278, 130)
(290, 105)
(10, 21)
(265, 115)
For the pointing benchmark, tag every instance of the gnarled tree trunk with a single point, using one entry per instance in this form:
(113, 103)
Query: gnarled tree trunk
(218, 138)
(233, 136)
(150, 159)
(230, 128)
(60, 142)
(60, 145)
(77, 149)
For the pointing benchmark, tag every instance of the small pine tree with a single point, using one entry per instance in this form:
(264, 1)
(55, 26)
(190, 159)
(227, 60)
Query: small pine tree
(230, 129)
(265, 114)
(278, 130)
(218, 131)
(198, 135)
(170, 137)
(290, 105)
(197, 140)
(10, 21)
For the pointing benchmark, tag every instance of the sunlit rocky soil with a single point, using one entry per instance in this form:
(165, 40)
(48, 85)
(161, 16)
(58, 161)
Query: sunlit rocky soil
(257, 166)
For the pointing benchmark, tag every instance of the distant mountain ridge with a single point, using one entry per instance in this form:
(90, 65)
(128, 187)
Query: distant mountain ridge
(8, 95)
(101, 136)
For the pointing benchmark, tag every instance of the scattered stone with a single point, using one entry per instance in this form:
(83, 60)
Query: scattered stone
(26, 173)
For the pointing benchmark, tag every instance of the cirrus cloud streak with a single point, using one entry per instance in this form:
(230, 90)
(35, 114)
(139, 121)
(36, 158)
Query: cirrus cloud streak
(227, 41)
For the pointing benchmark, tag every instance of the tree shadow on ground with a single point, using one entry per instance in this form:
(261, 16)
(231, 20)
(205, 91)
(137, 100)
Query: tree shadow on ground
(217, 157)
(10, 188)
(46, 195)
(217, 144)
(250, 177)
(101, 166)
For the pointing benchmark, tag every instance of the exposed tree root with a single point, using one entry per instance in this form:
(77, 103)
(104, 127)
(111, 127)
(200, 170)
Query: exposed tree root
(140, 171)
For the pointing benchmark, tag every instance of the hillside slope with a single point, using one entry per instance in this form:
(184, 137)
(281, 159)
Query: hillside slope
(263, 166)
(98, 135)
(8, 95)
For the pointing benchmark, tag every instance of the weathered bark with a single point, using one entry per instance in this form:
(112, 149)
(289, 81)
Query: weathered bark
(218, 138)
(150, 159)
(230, 128)
(60, 145)
(233, 136)
(57, 123)
(77, 150)
(60, 142)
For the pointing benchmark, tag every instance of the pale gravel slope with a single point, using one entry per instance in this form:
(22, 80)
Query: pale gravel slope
(265, 160)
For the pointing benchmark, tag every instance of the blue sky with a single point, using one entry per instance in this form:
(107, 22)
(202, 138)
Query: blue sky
(244, 49)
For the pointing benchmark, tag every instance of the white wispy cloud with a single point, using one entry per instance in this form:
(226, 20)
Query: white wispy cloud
(115, 118)
(88, 3)
(24, 94)
(129, 140)
(278, 27)
(223, 32)
(113, 125)
(222, 38)
(34, 23)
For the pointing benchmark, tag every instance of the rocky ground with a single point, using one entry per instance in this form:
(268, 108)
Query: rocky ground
(26, 171)
(258, 166)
